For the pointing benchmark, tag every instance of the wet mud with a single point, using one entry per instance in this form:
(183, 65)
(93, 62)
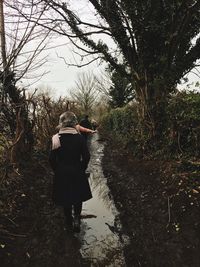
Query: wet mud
(102, 238)
(143, 213)
(158, 204)
(34, 232)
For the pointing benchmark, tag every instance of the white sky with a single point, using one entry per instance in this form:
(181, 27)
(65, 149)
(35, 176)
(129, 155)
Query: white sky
(60, 77)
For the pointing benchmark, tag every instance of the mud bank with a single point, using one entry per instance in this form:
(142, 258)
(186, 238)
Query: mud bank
(158, 203)
(157, 212)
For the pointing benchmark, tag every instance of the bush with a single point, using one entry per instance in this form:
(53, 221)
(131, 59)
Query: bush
(184, 122)
(180, 138)
(120, 124)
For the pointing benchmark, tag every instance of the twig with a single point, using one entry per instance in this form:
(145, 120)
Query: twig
(12, 221)
(17, 235)
(12, 234)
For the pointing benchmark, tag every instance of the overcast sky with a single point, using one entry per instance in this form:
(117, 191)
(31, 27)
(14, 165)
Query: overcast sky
(61, 78)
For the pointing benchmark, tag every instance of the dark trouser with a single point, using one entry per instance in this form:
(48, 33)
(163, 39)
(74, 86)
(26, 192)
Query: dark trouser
(85, 135)
(68, 211)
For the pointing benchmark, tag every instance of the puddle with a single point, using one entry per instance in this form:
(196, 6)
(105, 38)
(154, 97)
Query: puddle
(101, 238)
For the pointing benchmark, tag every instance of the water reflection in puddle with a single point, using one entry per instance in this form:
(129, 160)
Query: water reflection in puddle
(101, 239)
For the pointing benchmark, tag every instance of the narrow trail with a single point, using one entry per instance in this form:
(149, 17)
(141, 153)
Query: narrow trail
(34, 232)
(32, 229)
(101, 237)
(100, 242)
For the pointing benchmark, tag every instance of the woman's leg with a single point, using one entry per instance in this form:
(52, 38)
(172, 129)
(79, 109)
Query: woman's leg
(68, 214)
(77, 214)
(77, 209)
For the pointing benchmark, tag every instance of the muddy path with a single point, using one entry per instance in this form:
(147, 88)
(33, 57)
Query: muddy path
(143, 213)
(102, 237)
(32, 231)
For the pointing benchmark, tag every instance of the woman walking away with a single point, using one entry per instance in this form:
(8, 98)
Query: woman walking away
(69, 159)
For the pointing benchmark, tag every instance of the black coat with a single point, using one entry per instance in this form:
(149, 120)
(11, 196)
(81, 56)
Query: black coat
(69, 162)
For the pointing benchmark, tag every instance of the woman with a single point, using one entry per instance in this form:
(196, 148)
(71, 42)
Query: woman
(69, 159)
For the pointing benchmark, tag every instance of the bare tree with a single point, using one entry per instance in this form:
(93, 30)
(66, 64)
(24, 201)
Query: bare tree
(104, 83)
(24, 40)
(21, 45)
(85, 93)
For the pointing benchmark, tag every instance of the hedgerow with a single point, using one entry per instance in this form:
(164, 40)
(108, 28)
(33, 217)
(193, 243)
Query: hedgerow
(180, 137)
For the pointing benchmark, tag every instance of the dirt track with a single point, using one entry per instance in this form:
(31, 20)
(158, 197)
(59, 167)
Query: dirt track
(159, 205)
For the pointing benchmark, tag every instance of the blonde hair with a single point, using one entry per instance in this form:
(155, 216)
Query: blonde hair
(67, 119)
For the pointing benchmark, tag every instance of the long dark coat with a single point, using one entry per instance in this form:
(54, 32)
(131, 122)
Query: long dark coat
(69, 162)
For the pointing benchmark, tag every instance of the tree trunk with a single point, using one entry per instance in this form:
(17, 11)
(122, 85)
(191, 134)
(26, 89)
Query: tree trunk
(3, 50)
(2, 36)
(152, 109)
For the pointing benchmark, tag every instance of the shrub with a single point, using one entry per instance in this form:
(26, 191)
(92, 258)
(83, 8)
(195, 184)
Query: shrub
(120, 124)
(184, 122)
(180, 138)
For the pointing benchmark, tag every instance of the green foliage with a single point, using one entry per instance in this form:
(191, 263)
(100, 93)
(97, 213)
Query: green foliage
(120, 124)
(184, 124)
(187, 107)
(121, 91)
(180, 137)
